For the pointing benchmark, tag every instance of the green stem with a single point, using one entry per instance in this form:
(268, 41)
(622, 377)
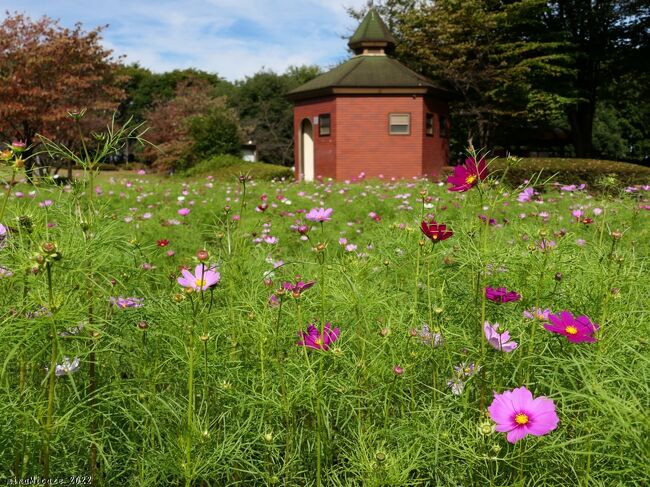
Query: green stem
(7, 194)
(51, 382)
(190, 410)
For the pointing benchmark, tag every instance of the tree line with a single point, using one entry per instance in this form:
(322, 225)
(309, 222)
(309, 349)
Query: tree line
(518, 68)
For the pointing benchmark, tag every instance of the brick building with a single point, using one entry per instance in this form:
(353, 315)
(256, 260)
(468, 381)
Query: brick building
(370, 115)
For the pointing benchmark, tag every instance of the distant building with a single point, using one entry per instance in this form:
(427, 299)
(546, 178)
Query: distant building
(370, 115)
(249, 151)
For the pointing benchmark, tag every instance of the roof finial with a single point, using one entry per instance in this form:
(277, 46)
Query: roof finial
(372, 35)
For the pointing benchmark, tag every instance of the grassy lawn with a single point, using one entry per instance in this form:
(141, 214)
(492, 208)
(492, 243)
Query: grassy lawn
(189, 383)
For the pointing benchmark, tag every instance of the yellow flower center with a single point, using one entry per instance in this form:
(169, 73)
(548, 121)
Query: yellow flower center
(521, 419)
(467, 370)
(571, 330)
(318, 341)
(434, 236)
(470, 179)
(199, 283)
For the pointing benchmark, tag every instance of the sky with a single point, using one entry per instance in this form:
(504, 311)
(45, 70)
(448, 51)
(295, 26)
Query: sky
(232, 38)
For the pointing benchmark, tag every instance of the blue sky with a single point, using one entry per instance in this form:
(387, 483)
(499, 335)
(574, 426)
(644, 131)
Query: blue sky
(234, 38)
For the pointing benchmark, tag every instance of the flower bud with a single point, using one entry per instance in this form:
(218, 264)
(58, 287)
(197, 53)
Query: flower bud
(384, 332)
(205, 338)
(143, 325)
(398, 370)
(616, 235)
(18, 146)
(558, 276)
(48, 247)
(202, 255)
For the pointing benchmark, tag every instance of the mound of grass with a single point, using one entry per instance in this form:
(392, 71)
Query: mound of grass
(596, 173)
(226, 167)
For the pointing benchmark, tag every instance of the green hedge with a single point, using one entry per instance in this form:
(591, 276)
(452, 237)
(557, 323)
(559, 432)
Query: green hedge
(595, 173)
(225, 167)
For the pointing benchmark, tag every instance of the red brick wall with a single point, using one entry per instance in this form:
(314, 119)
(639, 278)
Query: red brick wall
(435, 150)
(364, 144)
(325, 146)
(360, 142)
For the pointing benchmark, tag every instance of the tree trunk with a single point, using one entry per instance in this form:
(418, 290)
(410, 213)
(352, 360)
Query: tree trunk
(581, 118)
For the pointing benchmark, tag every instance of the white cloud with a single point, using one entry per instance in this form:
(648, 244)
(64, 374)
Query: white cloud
(233, 38)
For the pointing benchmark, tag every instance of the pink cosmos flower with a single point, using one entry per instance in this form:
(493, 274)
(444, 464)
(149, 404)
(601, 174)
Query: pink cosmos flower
(526, 195)
(576, 330)
(499, 341)
(46, 203)
(184, 211)
(517, 413)
(312, 338)
(501, 295)
(319, 215)
(537, 313)
(204, 277)
(577, 214)
(124, 303)
(467, 176)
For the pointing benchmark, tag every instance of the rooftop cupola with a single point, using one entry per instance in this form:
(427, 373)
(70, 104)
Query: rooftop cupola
(372, 37)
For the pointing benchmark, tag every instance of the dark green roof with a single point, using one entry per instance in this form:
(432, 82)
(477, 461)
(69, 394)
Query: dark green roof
(365, 72)
(372, 29)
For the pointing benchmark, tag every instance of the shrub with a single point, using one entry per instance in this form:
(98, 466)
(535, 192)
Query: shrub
(226, 167)
(576, 171)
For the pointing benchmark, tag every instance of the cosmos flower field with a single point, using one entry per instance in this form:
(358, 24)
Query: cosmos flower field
(192, 332)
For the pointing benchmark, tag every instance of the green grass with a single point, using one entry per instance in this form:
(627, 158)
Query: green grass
(262, 408)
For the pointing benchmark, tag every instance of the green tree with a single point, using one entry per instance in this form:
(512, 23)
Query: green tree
(608, 40)
(215, 132)
(495, 55)
(265, 113)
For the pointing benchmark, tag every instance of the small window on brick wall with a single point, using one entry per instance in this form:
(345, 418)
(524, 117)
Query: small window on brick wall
(429, 124)
(399, 124)
(444, 126)
(324, 124)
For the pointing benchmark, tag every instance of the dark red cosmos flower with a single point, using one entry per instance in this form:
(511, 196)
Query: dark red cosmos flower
(501, 295)
(435, 231)
(163, 243)
(467, 176)
(587, 221)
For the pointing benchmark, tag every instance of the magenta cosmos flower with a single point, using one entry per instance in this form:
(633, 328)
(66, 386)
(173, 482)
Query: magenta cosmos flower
(298, 288)
(436, 232)
(517, 413)
(204, 277)
(499, 341)
(312, 338)
(501, 295)
(467, 176)
(576, 330)
(319, 215)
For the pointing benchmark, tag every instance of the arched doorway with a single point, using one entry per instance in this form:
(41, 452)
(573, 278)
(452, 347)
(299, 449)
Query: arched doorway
(306, 151)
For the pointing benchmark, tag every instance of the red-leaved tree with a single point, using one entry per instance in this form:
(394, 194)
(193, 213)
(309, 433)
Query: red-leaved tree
(46, 71)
